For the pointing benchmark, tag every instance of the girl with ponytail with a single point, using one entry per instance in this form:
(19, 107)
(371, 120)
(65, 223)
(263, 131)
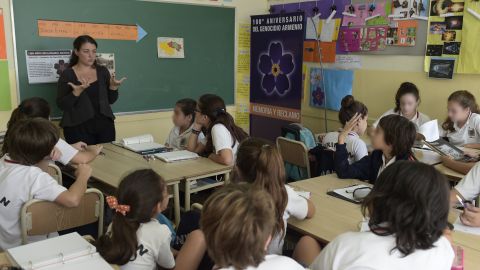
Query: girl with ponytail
(261, 164)
(222, 134)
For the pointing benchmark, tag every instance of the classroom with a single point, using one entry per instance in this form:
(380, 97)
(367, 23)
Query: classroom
(239, 134)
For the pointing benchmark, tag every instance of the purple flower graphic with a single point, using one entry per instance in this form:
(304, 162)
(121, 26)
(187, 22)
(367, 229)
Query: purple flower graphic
(318, 96)
(275, 67)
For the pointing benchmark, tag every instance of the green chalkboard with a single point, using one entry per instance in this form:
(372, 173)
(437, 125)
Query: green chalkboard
(153, 83)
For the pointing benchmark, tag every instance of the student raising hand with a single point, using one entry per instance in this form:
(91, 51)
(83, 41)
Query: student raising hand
(348, 128)
(471, 216)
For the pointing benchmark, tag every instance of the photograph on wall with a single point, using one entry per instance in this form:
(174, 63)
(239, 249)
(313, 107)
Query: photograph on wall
(402, 33)
(405, 9)
(437, 28)
(441, 7)
(46, 66)
(451, 48)
(170, 47)
(441, 68)
(434, 50)
(107, 60)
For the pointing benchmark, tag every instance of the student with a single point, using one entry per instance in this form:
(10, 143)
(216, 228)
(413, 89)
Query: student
(408, 216)
(29, 143)
(64, 153)
(223, 136)
(469, 189)
(356, 147)
(183, 119)
(262, 165)
(407, 101)
(85, 94)
(392, 140)
(237, 222)
(135, 239)
(462, 127)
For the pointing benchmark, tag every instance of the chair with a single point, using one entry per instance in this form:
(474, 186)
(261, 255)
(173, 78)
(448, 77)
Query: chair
(295, 153)
(55, 172)
(39, 217)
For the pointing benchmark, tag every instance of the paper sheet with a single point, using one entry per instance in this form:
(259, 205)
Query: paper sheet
(458, 226)
(430, 130)
(329, 31)
(313, 26)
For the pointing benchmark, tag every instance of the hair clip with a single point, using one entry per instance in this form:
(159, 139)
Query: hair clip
(120, 208)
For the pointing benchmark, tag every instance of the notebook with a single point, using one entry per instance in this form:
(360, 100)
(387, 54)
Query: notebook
(459, 227)
(66, 252)
(176, 156)
(346, 193)
(143, 144)
(445, 148)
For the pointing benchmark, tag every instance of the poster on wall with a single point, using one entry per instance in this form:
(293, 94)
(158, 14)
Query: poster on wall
(275, 72)
(328, 87)
(169, 47)
(46, 66)
(5, 99)
(107, 60)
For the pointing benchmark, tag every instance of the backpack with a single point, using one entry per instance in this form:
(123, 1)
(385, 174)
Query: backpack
(300, 133)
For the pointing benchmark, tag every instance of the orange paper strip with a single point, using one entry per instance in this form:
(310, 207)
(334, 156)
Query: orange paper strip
(310, 51)
(3, 43)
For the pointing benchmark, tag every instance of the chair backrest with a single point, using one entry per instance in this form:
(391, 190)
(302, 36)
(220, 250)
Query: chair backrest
(55, 172)
(39, 217)
(294, 152)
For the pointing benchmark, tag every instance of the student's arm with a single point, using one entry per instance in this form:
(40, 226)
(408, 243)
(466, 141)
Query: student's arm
(311, 209)
(222, 142)
(344, 170)
(87, 155)
(458, 166)
(471, 216)
(193, 144)
(224, 157)
(472, 145)
(72, 196)
(192, 251)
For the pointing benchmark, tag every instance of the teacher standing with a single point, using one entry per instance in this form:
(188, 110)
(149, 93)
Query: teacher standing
(85, 92)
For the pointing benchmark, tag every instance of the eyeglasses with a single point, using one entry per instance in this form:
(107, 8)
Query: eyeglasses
(360, 193)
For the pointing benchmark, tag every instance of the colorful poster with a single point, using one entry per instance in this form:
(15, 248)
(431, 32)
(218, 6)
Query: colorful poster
(349, 39)
(373, 38)
(409, 9)
(365, 14)
(402, 33)
(468, 59)
(328, 87)
(311, 52)
(276, 72)
(170, 47)
(329, 31)
(46, 66)
(242, 115)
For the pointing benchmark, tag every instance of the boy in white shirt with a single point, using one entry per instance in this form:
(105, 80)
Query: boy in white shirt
(30, 143)
(238, 221)
(469, 189)
(183, 119)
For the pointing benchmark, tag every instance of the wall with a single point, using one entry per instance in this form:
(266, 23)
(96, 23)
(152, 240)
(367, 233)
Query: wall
(158, 124)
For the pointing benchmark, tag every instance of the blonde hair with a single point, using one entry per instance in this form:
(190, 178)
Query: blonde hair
(237, 221)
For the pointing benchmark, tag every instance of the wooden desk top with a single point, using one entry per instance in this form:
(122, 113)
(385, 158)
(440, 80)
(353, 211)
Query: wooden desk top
(335, 216)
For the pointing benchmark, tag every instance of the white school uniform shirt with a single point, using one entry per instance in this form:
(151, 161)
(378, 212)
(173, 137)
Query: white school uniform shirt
(18, 185)
(469, 186)
(419, 118)
(469, 133)
(274, 262)
(68, 151)
(385, 164)
(356, 147)
(180, 141)
(297, 206)
(366, 250)
(222, 139)
(153, 248)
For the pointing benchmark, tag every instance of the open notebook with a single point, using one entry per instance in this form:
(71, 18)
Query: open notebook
(176, 156)
(143, 144)
(66, 252)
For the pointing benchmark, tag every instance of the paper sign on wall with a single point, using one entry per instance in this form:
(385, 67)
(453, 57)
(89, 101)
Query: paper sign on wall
(46, 66)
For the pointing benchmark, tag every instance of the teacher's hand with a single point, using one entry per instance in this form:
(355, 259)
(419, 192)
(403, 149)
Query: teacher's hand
(78, 89)
(114, 83)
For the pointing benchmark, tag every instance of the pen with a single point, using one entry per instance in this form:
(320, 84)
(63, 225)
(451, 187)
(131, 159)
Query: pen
(460, 200)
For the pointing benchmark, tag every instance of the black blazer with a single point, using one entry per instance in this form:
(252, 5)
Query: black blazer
(77, 110)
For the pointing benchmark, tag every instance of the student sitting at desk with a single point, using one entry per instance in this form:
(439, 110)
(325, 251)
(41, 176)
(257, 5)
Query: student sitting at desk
(392, 140)
(469, 189)
(63, 152)
(183, 119)
(356, 147)
(223, 136)
(29, 144)
(407, 212)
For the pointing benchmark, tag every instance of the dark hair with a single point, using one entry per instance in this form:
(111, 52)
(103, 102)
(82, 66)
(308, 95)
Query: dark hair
(409, 200)
(261, 164)
(187, 106)
(399, 132)
(77, 45)
(214, 108)
(237, 220)
(29, 141)
(349, 108)
(406, 88)
(464, 99)
(28, 108)
(142, 190)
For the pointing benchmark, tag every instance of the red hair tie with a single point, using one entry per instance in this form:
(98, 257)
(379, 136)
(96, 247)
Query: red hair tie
(120, 208)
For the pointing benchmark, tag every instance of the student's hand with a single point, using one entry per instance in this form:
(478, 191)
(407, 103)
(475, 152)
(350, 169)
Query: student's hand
(97, 149)
(196, 125)
(114, 83)
(470, 153)
(446, 159)
(80, 146)
(83, 171)
(471, 216)
(78, 89)
(55, 154)
(353, 122)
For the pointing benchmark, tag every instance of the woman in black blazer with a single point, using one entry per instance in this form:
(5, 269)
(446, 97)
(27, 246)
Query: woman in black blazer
(85, 92)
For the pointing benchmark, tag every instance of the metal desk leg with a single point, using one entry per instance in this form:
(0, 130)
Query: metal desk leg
(187, 195)
(176, 202)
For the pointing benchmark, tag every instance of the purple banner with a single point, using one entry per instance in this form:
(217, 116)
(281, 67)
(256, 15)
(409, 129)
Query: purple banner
(275, 72)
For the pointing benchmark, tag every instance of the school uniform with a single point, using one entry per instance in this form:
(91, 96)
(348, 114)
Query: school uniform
(419, 118)
(68, 151)
(18, 185)
(469, 186)
(368, 168)
(222, 139)
(179, 140)
(366, 250)
(271, 262)
(297, 206)
(153, 247)
(356, 147)
(468, 133)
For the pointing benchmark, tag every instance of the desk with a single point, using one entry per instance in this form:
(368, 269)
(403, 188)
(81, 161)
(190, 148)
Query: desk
(4, 261)
(433, 158)
(334, 217)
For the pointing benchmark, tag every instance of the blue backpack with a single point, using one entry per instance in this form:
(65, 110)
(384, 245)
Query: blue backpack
(300, 133)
